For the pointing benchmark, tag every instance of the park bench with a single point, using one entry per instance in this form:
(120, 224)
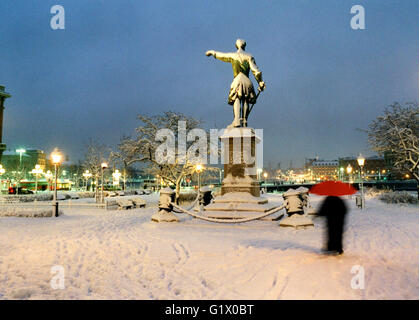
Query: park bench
(111, 204)
(138, 202)
(125, 204)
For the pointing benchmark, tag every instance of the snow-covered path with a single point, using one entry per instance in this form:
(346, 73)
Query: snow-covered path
(122, 255)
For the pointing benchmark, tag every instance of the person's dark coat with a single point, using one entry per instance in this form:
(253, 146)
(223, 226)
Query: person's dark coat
(334, 209)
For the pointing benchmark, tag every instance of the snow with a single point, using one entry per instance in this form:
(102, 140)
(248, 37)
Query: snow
(123, 255)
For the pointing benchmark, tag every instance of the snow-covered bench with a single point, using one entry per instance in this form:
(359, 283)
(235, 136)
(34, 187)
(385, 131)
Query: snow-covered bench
(125, 204)
(111, 204)
(138, 202)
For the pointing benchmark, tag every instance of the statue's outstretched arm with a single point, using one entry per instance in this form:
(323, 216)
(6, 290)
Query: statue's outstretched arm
(226, 57)
(257, 73)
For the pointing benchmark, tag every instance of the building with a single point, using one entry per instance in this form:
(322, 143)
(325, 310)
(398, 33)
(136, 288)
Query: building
(25, 161)
(320, 170)
(375, 167)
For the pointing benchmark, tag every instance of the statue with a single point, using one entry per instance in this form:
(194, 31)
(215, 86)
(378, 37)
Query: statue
(242, 93)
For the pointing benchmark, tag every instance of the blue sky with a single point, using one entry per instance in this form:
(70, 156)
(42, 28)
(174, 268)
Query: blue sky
(116, 59)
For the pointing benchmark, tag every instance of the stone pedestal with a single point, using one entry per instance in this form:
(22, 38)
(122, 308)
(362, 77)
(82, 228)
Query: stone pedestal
(240, 190)
(294, 204)
(165, 214)
(240, 171)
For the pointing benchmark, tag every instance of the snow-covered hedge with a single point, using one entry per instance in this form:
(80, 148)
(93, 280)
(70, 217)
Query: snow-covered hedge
(398, 197)
(26, 198)
(27, 212)
(374, 192)
(187, 197)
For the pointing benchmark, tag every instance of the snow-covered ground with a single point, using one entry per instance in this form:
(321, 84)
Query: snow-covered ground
(123, 255)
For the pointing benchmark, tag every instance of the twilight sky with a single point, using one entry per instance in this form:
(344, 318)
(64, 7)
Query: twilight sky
(116, 59)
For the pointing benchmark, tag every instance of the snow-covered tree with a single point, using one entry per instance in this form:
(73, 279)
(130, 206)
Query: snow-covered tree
(95, 155)
(125, 156)
(144, 147)
(397, 133)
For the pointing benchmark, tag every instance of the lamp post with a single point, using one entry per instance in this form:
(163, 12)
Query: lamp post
(20, 151)
(349, 172)
(199, 168)
(265, 176)
(56, 158)
(361, 162)
(116, 175)
(37, 171)
(103, 166)
(48, 176)
(87, 176)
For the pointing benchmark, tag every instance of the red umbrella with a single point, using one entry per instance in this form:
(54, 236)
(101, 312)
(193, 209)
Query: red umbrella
(332, 188)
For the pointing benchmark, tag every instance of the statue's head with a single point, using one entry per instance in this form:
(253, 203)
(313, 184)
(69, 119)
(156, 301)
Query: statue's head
(240, 44)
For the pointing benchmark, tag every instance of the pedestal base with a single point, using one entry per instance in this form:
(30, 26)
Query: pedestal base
(164, 216)
(236, 205)
(296, 221)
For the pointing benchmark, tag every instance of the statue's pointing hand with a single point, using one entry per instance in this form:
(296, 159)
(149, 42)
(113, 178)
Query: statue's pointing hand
(210, 53)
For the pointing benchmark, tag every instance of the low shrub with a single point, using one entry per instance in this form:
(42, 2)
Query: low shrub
(187, 197)
(398, 197)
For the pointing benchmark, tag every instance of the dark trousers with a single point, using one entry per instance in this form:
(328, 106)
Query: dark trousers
(335, 232)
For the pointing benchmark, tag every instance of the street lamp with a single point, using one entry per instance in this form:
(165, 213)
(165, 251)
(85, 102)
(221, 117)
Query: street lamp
(87, 176)
(349, 172)
(20, 151)
(116, 175)
(361, 162)
(265, 176)
(48, 176)
(37, 171)
(199, 168)
(56, 158)
(103, 166)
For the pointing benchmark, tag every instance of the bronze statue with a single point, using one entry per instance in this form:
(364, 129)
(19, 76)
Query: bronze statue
(242, 93)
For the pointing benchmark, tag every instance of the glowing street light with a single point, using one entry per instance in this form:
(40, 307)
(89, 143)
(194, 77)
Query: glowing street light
(56, 158)
(349, 172)
(48, 176)
(361, 162)
(87, 175)
(36, 172)
(103, 166)
(199, 168)
(116, 175)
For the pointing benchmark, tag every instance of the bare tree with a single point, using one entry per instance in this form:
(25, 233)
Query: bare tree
(95, 155)
(126, 154)
(143, 147)
(397, 133)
